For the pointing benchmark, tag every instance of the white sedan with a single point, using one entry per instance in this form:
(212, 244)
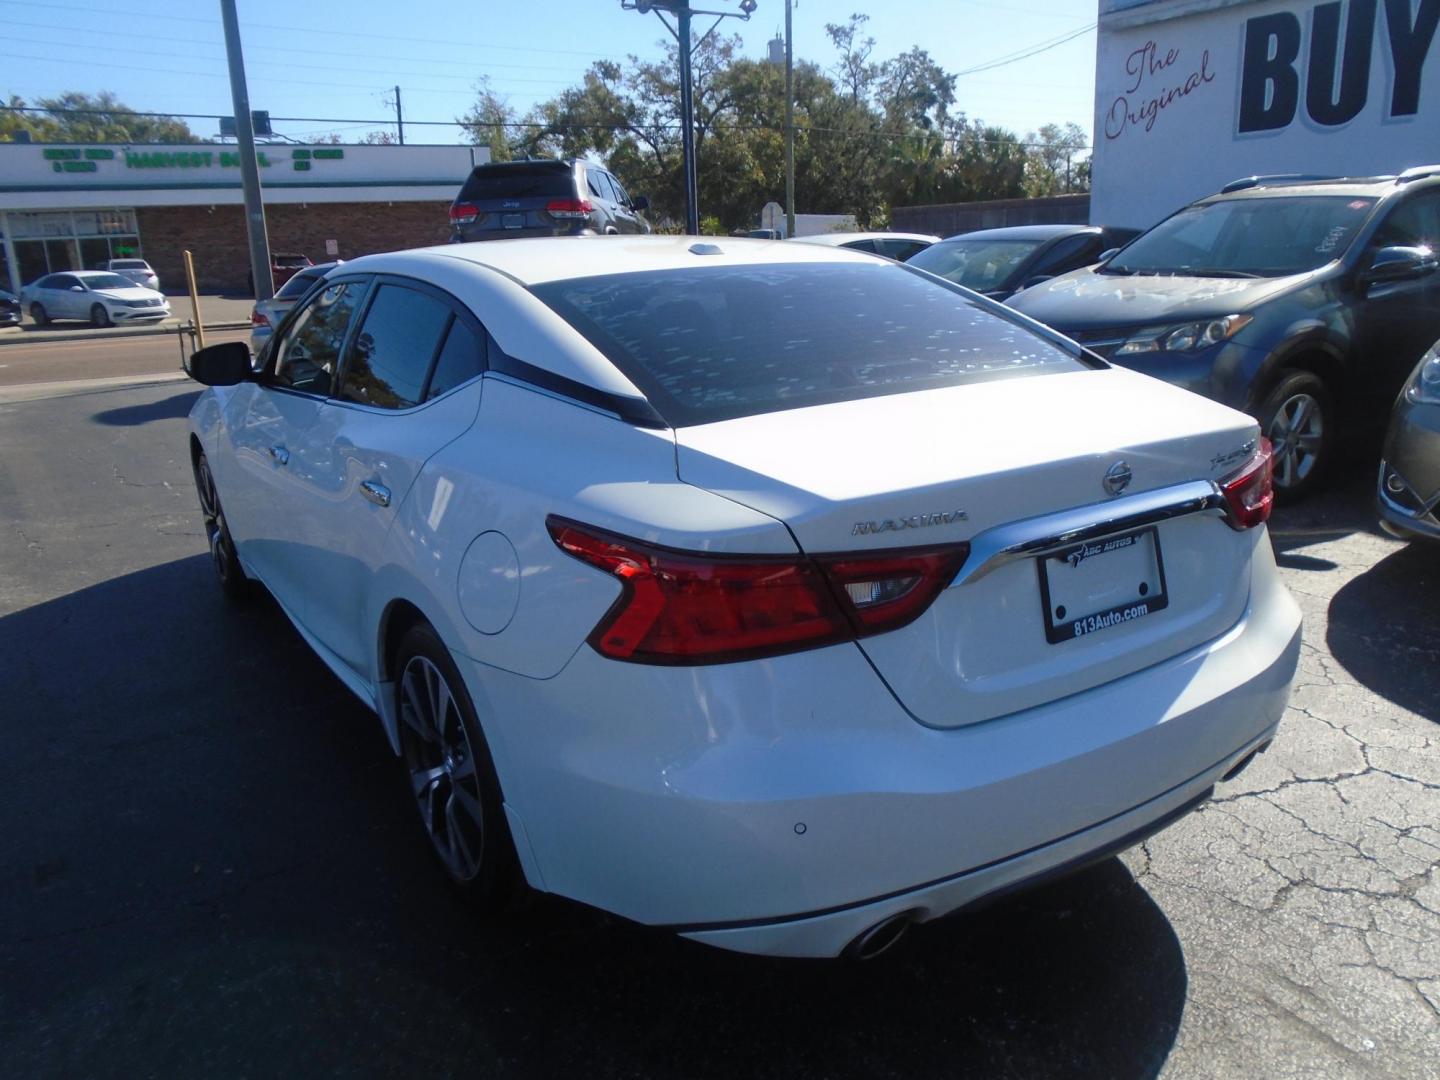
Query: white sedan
(772, 593)
(97, 296)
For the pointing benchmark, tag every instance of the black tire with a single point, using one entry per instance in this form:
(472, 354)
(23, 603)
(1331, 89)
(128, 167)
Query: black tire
(1298, 416)
(450, 774)
(99, 316)
(39, 314)
(236, 586)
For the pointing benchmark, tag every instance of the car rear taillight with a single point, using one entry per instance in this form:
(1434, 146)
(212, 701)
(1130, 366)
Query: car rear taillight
(680, 607)
(1250, 492)
(462, 213)
(569, 208)
(257, 319)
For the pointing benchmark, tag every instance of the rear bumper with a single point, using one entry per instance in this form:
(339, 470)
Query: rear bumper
(783, 806)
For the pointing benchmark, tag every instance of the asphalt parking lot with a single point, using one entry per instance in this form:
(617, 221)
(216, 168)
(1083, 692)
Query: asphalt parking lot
(210, 866)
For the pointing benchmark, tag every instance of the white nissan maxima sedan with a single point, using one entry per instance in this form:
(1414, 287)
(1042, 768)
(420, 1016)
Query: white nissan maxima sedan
(772, 593)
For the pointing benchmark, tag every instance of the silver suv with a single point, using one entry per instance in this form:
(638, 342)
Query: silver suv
(543, 197)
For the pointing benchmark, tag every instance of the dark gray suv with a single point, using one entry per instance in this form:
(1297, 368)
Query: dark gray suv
(1304, 302)
(543, 198)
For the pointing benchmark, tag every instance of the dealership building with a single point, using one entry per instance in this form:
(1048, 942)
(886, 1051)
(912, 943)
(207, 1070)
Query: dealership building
(68, 207)
(1192, 94)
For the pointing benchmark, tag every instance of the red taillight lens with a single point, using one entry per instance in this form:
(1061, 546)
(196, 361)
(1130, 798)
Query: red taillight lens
(686, 608)
(257, 319)
(1251, 491)
(462, 213)
(569, 208)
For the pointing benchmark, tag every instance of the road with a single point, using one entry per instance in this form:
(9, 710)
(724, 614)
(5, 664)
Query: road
(210, 866)
(100, 358)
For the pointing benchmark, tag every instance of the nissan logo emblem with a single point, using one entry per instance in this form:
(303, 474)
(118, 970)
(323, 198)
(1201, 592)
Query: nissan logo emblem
(1117, 478)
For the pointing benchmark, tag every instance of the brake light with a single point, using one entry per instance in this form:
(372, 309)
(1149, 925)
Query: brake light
(462, 213)
(569, 208)
(1250, 492)
(681, 607)
(257, 319)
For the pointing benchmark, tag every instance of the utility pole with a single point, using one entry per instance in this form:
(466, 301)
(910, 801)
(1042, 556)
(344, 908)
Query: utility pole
(789, 126)
(687, 123)
(249, 169)
(682, 11)
(399, 117)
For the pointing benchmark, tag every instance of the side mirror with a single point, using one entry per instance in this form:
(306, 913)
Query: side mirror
(226, 364)
(77, 288)
(640, 203)
(1399, 264)
(1108, 254)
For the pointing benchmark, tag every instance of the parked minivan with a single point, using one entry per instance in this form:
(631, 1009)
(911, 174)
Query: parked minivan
(544, 197)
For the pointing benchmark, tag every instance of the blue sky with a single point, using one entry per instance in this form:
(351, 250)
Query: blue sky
(332, 60)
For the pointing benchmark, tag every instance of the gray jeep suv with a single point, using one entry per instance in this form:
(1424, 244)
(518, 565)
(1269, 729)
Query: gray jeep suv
(543, 198)
(1305, 302)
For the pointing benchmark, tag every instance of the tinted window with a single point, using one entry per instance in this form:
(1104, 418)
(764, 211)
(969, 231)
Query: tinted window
(1414, 223)
(598, 186)
(107, 281)
(518, 182)
(311, 351)
(390, 357)
(711, 344)
(129, 264)
(56, 281)
(867, 246)
(1068, 254)
(297, 286)
(291, 261)
(899, 250)
(977, 264)
(620, 193)
(461, 359)
(1262, 237)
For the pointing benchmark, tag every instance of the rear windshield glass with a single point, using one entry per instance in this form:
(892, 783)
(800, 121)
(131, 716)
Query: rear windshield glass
(977, 264)
(713, 344)
(518, 183)
(297, 286)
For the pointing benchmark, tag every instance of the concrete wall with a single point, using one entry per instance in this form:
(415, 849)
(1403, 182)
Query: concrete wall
(951, 218)
(216, 236)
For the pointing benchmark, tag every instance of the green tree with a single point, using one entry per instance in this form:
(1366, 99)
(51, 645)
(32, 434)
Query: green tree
(491, 122)
(1056, 156)
(77, 117)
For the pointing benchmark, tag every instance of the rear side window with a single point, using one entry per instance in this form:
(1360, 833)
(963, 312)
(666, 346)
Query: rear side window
(311, 351)
(711, 344)
(518, 182)
(462, 357)
(390, 356)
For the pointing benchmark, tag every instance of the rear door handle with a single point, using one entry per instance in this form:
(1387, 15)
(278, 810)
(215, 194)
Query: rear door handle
(379, 494)
(280, 454)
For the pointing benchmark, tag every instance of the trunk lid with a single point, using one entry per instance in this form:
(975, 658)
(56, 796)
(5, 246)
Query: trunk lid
(966, 464)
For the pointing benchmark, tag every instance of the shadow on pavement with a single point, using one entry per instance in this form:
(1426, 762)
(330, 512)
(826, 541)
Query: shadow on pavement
(211, 866)
(172, 408)
(1384, 628)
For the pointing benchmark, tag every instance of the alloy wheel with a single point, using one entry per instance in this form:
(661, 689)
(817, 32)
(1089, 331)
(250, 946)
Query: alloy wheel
(442, 767)
(1297, 431)
(222, 548)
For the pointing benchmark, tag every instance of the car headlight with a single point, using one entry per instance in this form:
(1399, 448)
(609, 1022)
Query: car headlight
(1424, 389)
(1187, 337)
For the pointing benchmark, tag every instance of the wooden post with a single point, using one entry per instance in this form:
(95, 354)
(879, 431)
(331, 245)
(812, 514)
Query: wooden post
(194, 300)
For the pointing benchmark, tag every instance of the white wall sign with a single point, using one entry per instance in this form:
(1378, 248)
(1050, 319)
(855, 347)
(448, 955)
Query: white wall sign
(1191, 95)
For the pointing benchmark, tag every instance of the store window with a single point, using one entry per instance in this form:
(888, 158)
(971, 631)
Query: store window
(48, 242)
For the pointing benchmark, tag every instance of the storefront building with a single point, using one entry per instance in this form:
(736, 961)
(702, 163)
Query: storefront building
(1192, 94)
(69, 207)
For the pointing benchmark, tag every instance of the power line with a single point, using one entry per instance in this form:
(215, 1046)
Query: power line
(1025, 54)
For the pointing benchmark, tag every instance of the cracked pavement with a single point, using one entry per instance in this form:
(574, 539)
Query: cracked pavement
(208, 863)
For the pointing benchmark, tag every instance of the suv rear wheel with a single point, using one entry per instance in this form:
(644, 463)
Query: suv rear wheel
(1298, 418)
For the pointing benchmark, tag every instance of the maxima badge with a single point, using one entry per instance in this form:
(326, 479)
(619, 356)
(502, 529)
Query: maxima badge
(1117, 478)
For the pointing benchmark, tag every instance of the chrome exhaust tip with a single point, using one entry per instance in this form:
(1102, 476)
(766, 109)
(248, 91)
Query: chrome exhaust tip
(881, 937)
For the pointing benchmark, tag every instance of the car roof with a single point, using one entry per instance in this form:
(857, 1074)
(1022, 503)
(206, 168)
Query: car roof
(536, 260)
(1026, 232)
(840, 238)
(1261, 187)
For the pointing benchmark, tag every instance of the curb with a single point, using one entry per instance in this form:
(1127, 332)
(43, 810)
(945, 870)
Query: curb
(30, 337)
(20, 392)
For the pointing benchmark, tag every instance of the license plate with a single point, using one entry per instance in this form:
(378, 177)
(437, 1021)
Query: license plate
(1093, 586)
(514, 221)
